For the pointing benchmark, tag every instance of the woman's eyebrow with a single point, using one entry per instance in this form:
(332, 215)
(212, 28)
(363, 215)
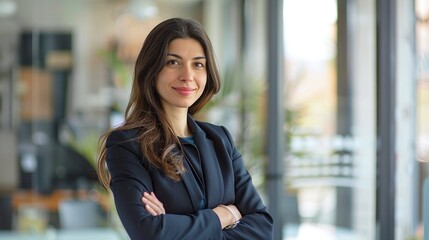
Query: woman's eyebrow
(178, 56)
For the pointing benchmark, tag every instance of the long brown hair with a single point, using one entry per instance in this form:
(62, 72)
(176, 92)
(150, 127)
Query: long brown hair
(144, 110)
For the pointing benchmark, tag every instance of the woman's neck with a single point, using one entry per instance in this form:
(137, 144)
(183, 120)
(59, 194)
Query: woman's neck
(179, 123)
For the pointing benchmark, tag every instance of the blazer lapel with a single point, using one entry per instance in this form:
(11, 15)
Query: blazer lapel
(210, 165)
(191, 185)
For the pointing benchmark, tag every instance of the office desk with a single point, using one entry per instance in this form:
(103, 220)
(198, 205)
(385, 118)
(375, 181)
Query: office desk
(59, 234)
(51, 201)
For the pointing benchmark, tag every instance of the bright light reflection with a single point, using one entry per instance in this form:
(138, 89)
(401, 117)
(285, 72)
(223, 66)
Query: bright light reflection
(309, 29)
(422, 8)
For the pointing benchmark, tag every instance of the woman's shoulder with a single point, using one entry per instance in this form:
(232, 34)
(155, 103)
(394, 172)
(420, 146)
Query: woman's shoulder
(120, 136)
(214, 130)
(210, 127)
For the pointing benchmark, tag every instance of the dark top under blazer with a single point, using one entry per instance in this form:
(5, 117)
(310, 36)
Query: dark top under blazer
(227, 182)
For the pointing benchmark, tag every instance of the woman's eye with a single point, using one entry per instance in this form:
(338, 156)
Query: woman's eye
(172, 62)
(199, 65)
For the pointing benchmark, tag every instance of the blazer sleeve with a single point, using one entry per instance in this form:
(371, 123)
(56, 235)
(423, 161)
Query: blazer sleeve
(256, 222)
(129, 179)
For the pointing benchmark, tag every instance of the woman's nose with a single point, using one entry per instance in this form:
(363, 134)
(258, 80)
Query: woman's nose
(186, 73)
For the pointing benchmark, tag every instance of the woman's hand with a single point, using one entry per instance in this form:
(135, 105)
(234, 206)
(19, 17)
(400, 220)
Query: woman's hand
(228, 215)
(152, 204)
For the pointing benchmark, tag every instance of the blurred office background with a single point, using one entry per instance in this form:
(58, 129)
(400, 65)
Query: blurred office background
(328, 101)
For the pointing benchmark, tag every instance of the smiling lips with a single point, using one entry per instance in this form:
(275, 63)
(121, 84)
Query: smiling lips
(184, 91)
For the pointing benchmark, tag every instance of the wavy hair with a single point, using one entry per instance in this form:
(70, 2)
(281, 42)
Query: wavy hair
(144, 111)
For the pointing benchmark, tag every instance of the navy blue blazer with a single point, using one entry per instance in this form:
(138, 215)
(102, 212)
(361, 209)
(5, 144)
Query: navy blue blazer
(226, 179)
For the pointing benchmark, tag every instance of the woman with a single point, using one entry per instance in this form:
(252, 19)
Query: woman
(173, 177)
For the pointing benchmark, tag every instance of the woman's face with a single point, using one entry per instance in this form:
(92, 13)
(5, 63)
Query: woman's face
(182, 80)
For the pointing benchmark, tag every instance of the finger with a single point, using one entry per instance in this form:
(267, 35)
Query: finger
(153, 195)
(151, 210)
(152, 200)
(156, 204)
(152, 206)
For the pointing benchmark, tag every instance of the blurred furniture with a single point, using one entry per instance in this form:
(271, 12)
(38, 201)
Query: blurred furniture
(80, 214)
(32, 206)
(45, 65)
(8, 159)
(50, 201)
(426, 209)
(5, 212)
(32, 219)
(23, 200)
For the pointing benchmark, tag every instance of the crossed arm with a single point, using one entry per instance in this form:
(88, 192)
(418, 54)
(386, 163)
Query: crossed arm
(145, 217)
(226, 218)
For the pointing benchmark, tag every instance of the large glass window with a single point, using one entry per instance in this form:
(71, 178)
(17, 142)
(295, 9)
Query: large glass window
(408, 186)
(422, 108)
(330, 119)
(422, 33)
